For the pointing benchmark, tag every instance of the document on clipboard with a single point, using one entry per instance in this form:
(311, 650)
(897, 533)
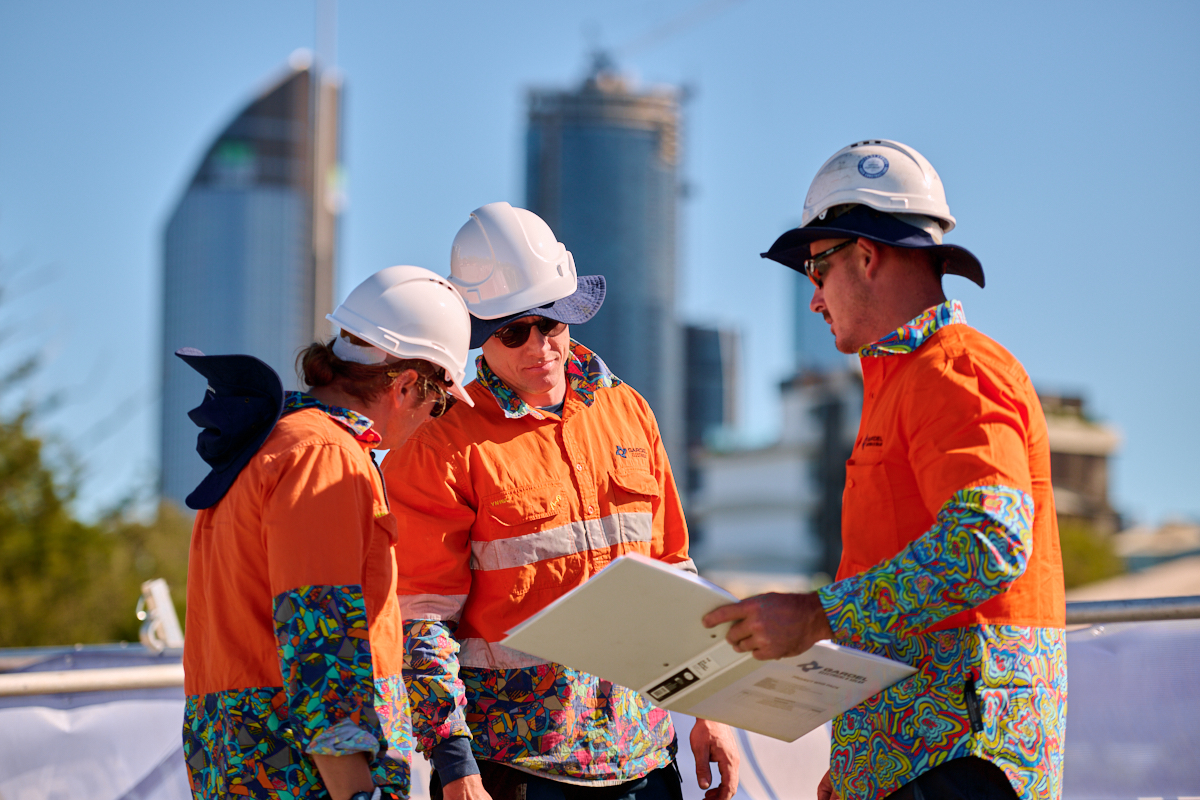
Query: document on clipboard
(637, 624)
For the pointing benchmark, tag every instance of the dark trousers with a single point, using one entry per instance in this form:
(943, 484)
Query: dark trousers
(969, 778)
(505, 783)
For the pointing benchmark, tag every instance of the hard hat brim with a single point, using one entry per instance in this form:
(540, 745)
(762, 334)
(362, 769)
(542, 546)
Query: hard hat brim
(792, 248)
(574, 309)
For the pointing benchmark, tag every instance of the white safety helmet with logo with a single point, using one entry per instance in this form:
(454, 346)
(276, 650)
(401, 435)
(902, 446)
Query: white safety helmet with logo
(885, 175)
(879, 190)
(407, 312)
(507, 263)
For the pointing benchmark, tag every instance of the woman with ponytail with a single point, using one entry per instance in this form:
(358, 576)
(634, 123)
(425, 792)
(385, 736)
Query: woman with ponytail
(293, 650)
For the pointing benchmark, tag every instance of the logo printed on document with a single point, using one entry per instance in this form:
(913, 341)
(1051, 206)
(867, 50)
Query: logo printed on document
(810, 666)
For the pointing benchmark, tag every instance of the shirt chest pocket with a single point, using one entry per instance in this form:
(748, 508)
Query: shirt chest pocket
(634, 494)
(521, 510)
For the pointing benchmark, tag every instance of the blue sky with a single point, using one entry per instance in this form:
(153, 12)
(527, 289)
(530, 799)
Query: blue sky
(1064, 134)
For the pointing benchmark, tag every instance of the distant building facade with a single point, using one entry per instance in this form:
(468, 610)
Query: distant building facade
(1079, 453)
(602, 168)
(777, 509)
(248, 252)
(711, 378)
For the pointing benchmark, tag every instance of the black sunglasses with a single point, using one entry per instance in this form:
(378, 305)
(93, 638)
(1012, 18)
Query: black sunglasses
(445, 401)
(817, 265)
(516, 334)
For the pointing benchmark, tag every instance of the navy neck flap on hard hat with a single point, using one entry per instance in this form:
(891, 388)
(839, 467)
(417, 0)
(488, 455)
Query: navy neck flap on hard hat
(243, 402)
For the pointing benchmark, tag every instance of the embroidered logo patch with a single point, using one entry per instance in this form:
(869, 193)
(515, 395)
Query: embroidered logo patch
(872, 441)
(874, 166)
(621, 451)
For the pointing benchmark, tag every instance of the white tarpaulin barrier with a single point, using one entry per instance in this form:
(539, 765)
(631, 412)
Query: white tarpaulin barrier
(1133, 731)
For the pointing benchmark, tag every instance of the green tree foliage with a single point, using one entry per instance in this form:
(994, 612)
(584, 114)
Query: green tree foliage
(1087, 555)
(63, 581)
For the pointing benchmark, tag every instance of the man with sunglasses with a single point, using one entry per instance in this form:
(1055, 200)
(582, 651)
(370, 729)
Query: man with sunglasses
(503, 508)
(950, 558)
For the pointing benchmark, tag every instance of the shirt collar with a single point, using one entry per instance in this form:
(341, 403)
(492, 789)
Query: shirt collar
(359, 425)
(908, 337)
(586, 373)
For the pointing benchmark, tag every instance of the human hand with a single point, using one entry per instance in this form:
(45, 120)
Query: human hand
(469, 787)
(346, 775)
(713, 741)
(825, 789)
(773, 625)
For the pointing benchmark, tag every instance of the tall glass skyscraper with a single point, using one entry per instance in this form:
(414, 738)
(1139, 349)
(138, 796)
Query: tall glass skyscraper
(248, 252)
(602, 170)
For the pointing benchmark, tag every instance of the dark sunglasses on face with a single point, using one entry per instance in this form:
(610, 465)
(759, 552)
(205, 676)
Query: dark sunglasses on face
(516, 334)
(817, 266)
(444, 402)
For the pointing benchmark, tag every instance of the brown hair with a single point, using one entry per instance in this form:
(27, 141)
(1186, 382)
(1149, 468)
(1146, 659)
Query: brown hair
(318, 366)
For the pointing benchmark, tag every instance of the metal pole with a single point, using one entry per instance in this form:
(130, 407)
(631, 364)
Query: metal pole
(115, 679)
(1145, 610)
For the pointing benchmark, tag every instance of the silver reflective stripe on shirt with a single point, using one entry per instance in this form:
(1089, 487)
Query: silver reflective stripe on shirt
(446, 607)
(574, 537)
(482, 655)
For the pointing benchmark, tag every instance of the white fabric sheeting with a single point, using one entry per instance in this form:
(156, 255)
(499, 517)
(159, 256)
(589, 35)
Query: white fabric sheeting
(1133, 730)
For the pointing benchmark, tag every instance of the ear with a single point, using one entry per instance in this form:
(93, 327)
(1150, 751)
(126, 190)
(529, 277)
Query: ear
(405, 383)
(872, 254)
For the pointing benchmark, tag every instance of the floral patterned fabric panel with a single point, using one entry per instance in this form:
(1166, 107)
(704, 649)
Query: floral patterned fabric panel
(912, 335)
(325, 658)
(565, 724)
(997, 691)
(586, 373)
(436, 696)
(548, 719)
(352, 421)
(241, 744)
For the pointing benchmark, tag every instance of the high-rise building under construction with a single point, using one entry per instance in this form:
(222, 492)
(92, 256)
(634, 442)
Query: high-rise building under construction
(248, 252)
(602, 168)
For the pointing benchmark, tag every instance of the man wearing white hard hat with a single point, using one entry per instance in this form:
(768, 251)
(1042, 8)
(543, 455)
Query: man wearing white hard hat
(950, 552)
(503, 507)
(293, 656)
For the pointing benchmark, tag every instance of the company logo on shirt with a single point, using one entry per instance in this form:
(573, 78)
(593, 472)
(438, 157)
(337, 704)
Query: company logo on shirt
(636, 452)
(872, 441)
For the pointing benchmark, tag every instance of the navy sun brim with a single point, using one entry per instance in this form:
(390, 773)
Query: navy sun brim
(242, 404)
(574, 309)
(792, 248)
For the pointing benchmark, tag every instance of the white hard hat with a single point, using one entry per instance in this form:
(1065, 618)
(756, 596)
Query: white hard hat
(505, 260)
(880, 190)
(507, 263)
(884, 175)
(411, 312)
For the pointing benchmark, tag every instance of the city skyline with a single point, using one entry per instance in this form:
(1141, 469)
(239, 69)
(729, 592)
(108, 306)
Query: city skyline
(1050, 128)
(601, 167)
(248, 253)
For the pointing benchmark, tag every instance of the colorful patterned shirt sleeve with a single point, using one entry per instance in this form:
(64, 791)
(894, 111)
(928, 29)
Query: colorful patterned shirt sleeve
(325, 658)
(979, 544)
(436, 695)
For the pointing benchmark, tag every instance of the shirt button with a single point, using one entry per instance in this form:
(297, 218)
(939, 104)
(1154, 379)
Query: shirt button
(591, 509)
(579, 467)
